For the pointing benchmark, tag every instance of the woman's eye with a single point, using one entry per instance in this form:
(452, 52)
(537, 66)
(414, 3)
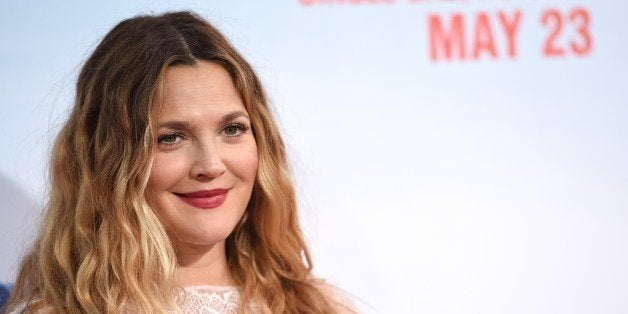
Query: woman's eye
(170, 139)
(234, 129)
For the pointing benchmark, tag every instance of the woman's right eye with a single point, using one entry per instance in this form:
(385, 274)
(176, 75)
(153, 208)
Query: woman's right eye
(170, 139)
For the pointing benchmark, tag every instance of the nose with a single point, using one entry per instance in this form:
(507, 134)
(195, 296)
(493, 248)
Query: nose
(208, 163)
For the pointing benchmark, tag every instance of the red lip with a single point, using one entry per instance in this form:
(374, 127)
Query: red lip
(204, 199)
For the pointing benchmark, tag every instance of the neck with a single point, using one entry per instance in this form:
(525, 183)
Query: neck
(203, 265)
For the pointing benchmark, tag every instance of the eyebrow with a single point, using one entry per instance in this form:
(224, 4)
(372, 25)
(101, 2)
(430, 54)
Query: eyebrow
(176, 124)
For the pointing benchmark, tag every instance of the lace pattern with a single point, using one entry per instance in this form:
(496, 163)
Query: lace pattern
(211, 300)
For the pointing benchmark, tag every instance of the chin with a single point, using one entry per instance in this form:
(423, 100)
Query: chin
(207, 238)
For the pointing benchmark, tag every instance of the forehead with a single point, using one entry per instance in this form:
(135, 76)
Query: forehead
(190, 90)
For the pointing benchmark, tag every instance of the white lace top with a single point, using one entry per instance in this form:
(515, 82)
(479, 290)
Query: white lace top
(226, 300)
(211, 300)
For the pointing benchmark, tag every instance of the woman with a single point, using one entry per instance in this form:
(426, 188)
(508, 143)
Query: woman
(170, 189)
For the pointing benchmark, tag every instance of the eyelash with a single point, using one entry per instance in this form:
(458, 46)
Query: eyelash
(240, 128)
(161, 139)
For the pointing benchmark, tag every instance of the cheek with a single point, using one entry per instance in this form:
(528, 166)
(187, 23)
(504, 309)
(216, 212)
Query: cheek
(245, 162)
(167, 170)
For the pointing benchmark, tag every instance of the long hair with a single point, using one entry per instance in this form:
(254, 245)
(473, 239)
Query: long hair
(101, 247)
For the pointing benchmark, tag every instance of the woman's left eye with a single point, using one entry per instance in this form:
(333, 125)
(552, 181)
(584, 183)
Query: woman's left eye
(234, 129)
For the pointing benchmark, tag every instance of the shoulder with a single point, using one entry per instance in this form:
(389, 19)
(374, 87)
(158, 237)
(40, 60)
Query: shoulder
(23, 306)
(340, 299)
(19, 308)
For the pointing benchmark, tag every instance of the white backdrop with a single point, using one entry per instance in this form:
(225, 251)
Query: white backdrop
(494, 180)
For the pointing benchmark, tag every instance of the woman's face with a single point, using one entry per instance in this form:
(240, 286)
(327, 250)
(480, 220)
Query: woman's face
(206, 159)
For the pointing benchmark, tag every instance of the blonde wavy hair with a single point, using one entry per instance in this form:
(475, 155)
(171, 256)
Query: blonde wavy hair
(101, 248)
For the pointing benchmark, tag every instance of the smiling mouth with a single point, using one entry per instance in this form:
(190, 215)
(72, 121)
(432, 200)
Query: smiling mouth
(205, 199)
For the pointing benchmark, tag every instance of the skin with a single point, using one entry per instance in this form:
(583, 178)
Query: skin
(204, 142)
